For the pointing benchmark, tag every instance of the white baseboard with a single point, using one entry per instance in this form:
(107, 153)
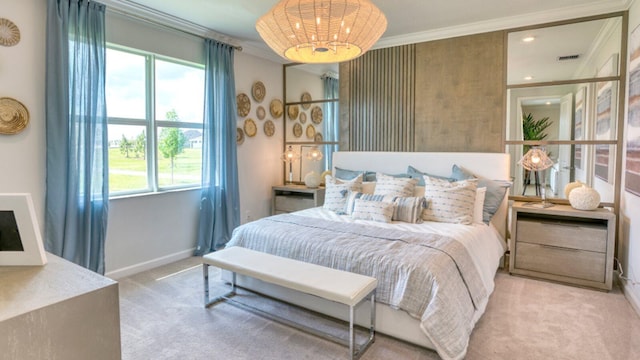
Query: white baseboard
(147, 265)
(630, 295)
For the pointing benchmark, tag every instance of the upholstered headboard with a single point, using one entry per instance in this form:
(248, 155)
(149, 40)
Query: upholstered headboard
(494, 166)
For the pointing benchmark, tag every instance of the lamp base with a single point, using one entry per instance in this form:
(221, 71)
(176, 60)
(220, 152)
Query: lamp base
(539, 204)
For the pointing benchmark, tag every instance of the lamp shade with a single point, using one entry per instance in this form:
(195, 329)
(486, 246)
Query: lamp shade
(314, 154)
(290, 155)
(315, 31)
(536, 159)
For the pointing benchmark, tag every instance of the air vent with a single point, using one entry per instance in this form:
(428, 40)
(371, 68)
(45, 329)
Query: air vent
(568, 57)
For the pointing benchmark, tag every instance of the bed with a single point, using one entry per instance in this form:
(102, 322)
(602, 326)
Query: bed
(437, 309)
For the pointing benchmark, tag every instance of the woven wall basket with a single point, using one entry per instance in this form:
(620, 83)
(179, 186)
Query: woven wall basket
(14, 116)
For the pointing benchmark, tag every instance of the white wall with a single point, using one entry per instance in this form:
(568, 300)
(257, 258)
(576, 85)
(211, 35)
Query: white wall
(22, 69)
(629, 235)
(143, 231)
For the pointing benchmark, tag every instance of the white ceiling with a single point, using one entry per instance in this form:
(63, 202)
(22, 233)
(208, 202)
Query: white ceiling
(409, 21)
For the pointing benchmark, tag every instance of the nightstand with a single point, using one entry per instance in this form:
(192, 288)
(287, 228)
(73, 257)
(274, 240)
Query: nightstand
(288, 198)
(563, 244)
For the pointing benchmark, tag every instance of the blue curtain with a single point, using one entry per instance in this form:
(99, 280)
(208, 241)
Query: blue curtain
(77, 192)
(331, 114)
(220, 199)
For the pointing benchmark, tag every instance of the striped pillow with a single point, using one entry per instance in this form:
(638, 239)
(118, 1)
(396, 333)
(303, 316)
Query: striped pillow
(355, 195)
(335, 195)
(451, 202)
(373, 210)
(394, 186)
(409, 209)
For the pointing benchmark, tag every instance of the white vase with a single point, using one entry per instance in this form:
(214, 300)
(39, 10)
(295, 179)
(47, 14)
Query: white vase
(570, 186)
(312, 179)
(584, 198)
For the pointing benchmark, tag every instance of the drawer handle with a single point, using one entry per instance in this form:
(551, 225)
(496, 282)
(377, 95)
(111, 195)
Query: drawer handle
(558, 247)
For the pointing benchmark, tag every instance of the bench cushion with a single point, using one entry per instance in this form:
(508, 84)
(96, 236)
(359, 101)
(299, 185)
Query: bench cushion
(331, 284)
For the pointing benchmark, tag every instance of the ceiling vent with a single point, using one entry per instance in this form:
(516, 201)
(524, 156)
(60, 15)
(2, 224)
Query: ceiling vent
(568, 57)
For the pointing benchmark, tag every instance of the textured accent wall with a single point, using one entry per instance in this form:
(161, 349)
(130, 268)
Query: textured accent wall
(379, 100)
(444, 95)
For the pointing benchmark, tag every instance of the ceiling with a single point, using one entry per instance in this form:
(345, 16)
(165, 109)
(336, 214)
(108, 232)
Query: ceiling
(409, 21)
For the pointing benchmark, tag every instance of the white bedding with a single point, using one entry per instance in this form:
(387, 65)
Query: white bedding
(482, 241)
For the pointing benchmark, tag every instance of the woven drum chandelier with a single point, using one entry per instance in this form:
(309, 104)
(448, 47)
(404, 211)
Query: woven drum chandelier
(321, 31)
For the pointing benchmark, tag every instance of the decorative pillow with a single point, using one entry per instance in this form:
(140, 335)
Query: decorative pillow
(373, 210)
(346, 174)
(335, 195)
(355, 195)
(393, 186)
(368, 187)
(417, 174)
(496, 190)
(409, 209)
(451, 202)
(478, 205)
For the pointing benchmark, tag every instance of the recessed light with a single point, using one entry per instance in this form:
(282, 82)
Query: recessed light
(528, 39)
(548, 103)
(528, 77)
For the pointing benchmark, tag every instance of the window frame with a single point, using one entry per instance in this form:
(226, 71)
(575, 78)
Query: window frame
(151, 124)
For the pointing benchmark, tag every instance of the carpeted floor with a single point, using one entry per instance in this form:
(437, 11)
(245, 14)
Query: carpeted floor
(162, 317)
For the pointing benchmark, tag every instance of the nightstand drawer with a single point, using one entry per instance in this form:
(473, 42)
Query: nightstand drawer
(574, 263)
(573, 235)
(293, 203)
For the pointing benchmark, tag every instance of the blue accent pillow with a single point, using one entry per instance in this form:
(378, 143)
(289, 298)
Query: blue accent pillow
(346, 174)
(495, 191)
(417, 174)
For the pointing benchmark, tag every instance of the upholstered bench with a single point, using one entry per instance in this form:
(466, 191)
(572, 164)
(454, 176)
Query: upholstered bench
(335, 285)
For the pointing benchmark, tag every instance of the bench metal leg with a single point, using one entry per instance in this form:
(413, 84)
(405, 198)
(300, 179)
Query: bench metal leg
(207, 302)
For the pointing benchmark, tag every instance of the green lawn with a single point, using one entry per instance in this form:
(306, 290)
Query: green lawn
(131, 173)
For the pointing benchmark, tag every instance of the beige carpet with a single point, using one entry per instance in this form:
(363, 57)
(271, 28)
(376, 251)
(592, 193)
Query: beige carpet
(162, 317)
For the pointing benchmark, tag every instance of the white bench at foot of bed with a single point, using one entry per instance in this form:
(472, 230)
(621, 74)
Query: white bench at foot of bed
(335, 285)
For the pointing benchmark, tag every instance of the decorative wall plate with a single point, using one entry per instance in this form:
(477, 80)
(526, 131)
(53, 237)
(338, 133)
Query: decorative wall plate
(316, 114)
(244, 104)
(14, 116)
(318, 137)
(258, 91)
(250, 128)
(269, 128)
(297, 130)
(292, 111)
(9, 33)
(303, 117)
(276, 108)
(305, 97)
(261, 113)
(311, 131)
(239, 136)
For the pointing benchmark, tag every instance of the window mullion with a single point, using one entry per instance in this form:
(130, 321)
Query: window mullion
(152, 162)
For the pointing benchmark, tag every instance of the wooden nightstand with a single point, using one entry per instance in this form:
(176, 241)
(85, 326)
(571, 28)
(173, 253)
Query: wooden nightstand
(288, 198)
(563, 244)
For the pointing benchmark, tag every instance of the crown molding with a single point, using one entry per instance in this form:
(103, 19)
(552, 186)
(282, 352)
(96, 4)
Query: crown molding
(505, 23)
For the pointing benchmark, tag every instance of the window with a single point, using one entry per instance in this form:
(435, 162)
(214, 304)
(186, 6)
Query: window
(155, 107)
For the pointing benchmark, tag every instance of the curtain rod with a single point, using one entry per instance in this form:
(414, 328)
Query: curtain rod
(114, 8)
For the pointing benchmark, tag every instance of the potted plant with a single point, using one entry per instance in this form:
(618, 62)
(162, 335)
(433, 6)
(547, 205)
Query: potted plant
(533, 130)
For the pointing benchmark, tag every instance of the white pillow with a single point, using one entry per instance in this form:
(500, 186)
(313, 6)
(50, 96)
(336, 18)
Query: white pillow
(451, 202)
(336, 190)
(373, 210)
(478, 206)
(393, 186)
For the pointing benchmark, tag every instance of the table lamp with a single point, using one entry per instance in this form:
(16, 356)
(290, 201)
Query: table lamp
(536, 159)
(290, 156)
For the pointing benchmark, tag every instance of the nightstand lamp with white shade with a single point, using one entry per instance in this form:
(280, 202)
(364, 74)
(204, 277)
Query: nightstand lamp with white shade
(312, 179)
(536, 159)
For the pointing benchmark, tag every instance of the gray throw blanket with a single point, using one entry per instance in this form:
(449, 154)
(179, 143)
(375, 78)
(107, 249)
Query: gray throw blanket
(431, 277)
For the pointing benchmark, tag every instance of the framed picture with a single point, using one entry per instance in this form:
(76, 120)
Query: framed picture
(632, 166)
(605, 112)
(579, 127)
(20, 240)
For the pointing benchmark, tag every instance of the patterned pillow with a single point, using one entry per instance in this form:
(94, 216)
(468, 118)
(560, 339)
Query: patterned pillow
(355, 195)
(409, 209)
(373, 210)
(393, 186)
(335, 195)
(451, 202)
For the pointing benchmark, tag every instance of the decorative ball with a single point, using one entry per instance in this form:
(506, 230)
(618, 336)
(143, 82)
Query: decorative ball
(584, 198)
(312, 179)
(570, 186)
